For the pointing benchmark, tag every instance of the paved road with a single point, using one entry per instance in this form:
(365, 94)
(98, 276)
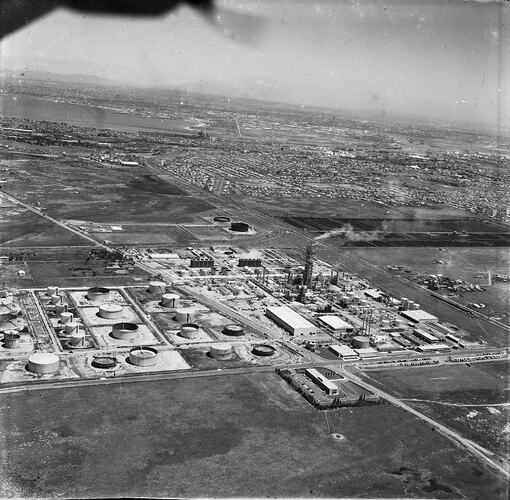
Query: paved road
(51, 219)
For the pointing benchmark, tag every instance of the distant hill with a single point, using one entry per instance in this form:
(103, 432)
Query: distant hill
(56, 77)
(259, 89)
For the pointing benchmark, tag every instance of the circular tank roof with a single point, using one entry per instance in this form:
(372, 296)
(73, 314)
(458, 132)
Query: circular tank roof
(110, 308)
(263, 350)
(361, 338)
(43, 358)
(170, 296)
(233, 330)
(157, 283)
(131, 327)
(98, 289)
(221, 347)
(104, 362)
(11, 336)
(143, 352)
(186, 310)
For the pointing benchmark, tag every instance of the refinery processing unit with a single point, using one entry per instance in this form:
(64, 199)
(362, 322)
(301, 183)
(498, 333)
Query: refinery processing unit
(271, 311)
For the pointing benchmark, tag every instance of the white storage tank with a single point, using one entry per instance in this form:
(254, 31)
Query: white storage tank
(71, 327)
(360, 342)
(43, 363)
(143, 356)
(125, 331)
(12, 339)
(52, 290)
(78, 339)
(110, 311)
(190, 331)
(66, 317)
(56, 298)
(170, 300)
(157, 287)
(220, 351)
(185, 314)
(60, 308)
(98, 294)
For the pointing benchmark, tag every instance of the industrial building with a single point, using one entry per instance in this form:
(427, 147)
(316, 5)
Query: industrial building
(338, 325)
(426, 336)
(327, 386)
(249, 263)
(434, 347)
(343, 351)
(419, 316)
(290, 320)
(201, 262)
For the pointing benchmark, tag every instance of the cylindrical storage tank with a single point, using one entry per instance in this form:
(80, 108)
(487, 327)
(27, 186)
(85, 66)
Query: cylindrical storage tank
(157, 287)
(190, 331)
(6, 325)
(60, 308)
(185, 315)
(385, 323)
(398, 323)
(404, 301)
(239, 227)
(110, 311)
(52, 290)
(263, 350)
(104, 362)
(143, 356)
(71, 327)
(78, 339)
(56, 298)
(66, 317)
(125, 331)
(98, 294)
(170, 300)
(360, 342)
(416, 306)
(12, 340)
(233, 330)
(222, 219)
(43, 363)
(220, 351)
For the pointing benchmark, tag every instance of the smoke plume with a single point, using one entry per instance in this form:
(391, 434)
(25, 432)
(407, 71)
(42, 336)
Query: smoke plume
(348, 233)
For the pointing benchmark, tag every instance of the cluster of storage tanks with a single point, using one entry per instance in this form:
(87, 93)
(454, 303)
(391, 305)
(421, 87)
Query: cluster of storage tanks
(408, 305)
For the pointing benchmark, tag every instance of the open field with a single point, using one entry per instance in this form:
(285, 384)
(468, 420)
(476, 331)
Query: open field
(246, 435)
(81, 190)
(20, 227)
(480, 385)
(346, 208)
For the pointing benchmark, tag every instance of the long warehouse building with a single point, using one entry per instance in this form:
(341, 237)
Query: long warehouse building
(327, 386)
(290, 320)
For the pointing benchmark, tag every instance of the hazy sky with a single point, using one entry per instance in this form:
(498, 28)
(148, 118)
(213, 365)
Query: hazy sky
(449, 59)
